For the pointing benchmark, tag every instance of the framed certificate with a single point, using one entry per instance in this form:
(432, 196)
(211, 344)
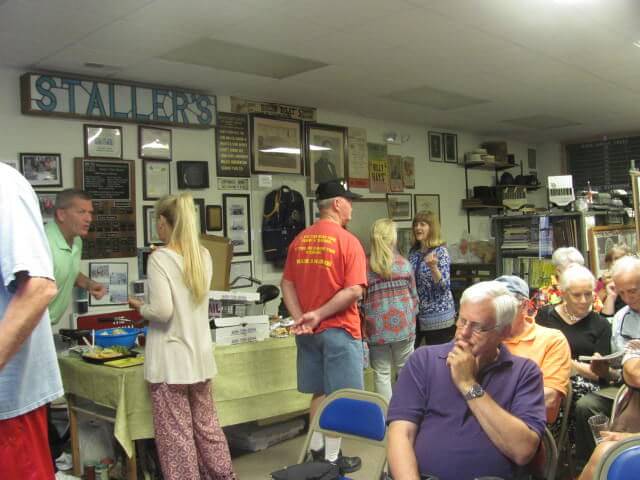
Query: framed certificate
(102, 141)
(156, 179)
(154, 143)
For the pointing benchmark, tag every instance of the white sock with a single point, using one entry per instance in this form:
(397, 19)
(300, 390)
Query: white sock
(332, 448)
(317, 441)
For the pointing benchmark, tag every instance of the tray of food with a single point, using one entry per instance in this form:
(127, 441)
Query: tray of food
(102, 355)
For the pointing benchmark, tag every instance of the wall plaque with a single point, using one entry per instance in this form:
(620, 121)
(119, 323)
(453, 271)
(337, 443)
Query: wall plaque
(111, 183)
(232, 145)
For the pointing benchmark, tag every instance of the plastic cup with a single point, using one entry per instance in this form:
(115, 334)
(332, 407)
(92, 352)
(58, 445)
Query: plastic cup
(598, 424)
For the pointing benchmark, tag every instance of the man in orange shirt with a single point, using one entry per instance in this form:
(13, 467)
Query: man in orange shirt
(324, 276)
(547, 347)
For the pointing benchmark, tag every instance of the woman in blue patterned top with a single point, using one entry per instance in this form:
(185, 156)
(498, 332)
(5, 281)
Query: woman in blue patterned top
(431, 265)
(390, 306)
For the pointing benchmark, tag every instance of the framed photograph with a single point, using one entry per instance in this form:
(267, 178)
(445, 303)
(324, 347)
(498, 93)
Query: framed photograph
(326, 153)
(47, 201)
(42, 169)
(435, 146)
(314, 213)
(602, 239)
(150, 230)
(408, 172)
(102, 141)
(214, 218)
(237, 222)
(450, 141)
(154, 143)
(635, 187)
(200, 214)
(143, 260)
(241, 269)
(427, 203)
(399, 206)
(156, 179)
(405, 241)
(276, 145)
(115, 277)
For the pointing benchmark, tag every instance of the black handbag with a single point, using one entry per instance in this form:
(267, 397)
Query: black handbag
(308, 471)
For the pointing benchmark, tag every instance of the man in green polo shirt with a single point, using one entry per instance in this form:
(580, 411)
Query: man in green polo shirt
(73, 213)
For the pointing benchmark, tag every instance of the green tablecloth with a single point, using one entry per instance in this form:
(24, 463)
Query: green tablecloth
(254, 381)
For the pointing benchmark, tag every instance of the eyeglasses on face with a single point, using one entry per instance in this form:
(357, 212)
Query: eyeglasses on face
(475, 327)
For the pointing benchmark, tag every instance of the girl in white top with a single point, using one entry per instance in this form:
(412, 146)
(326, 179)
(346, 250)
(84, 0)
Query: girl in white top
(179, 362)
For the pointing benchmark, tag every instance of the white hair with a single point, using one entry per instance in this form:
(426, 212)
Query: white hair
(565, 256)
(626, 264)
(576, 273)
(504, 303)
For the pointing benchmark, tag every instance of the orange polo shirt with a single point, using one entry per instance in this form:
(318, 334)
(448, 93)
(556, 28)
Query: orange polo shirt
(549, 349)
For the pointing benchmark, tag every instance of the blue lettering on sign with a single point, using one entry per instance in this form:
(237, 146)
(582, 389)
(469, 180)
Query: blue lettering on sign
(180, 103)
(95, 101)
(203, 102)
(112, 104)
(158, 95)
(134, 106)
(44, 84)
(72, 84)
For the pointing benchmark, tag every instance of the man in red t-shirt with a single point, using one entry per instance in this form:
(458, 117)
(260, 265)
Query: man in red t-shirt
(325, 275)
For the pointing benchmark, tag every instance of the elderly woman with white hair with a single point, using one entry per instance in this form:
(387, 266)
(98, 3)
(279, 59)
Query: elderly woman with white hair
(587, 332)
(562, 258)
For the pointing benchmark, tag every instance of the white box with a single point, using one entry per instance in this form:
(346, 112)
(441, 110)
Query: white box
(238, 297)
(252, 332)
(246, 320)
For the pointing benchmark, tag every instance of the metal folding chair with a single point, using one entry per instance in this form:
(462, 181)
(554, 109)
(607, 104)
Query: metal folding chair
(621, 462)
(357, 415)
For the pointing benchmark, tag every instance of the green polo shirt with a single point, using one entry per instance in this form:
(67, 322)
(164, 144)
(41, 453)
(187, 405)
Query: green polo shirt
(66, 266)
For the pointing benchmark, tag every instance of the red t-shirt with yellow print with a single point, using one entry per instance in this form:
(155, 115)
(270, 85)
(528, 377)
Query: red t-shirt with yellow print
(322, 260)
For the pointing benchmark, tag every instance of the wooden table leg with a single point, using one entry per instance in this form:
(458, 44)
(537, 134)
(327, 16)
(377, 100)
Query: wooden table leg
(73, 433)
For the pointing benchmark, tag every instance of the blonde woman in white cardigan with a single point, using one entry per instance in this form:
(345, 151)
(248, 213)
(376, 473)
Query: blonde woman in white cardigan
(179, 363)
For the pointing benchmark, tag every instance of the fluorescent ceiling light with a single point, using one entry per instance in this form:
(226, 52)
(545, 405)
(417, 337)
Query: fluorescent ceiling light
(318, 148)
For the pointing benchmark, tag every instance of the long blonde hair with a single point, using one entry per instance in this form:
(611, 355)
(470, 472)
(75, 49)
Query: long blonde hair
(180, 214)
(383, 242)
(434, 239)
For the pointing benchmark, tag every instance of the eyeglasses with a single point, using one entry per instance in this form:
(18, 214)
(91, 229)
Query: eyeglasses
(627, 336)
(474, 326)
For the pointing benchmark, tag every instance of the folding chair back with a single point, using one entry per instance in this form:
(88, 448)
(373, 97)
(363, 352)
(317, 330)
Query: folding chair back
(622, 391)
(621, 462)
(357, 415)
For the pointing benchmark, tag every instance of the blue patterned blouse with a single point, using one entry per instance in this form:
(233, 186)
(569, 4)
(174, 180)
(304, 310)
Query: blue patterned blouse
(437, 310)
(391, 305)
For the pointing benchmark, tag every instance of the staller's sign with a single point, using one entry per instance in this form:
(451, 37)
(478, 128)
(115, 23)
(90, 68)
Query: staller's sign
(98, 99)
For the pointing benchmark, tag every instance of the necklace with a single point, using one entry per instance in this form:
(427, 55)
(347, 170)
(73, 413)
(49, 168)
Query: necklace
(572, 319)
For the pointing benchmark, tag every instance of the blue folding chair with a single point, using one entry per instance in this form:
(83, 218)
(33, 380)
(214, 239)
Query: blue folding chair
(621, 462)
(357, 415)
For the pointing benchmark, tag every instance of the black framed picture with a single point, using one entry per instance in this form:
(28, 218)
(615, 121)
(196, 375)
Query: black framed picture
(450, 142)
(214, 218)
(42, 169)
(237, 222)
(192, 174)
(276, 145)
(399, 206)
(47, 201)
(115, 278)
(435, 146)
(102, 141)
(149, 224)
(326, 153)
(154, 143)
(427, 203)
(200, 214)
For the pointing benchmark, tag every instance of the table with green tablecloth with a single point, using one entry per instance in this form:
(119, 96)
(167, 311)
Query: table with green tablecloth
(254, 381)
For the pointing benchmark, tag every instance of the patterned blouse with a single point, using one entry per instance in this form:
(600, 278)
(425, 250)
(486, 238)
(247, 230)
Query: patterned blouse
(390, 305)
(437, 310)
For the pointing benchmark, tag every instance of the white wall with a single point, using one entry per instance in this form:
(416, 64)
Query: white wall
(22, 133)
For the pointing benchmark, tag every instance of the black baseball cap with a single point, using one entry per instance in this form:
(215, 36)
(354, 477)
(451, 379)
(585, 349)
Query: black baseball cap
(334, 188)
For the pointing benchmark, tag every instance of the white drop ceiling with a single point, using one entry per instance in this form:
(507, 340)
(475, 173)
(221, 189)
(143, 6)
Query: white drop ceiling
(537, 70)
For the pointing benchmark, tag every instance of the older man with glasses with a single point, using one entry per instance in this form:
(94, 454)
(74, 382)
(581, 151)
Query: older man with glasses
(469, 407)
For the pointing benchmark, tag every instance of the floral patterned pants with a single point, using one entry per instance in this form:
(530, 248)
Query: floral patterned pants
(191, 444)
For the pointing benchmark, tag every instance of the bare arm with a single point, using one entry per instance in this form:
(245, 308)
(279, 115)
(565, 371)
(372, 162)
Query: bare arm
(290, 298)
(23, 313)
(631, 372)
(552, 401)
(400, 450)
(97, 290)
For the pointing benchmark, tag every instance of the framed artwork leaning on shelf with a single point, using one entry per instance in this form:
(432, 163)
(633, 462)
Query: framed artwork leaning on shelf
(602, 239)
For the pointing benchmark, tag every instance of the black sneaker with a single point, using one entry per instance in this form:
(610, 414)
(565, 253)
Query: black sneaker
(345, 464)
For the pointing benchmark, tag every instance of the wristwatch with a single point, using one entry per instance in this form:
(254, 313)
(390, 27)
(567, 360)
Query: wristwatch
(476, 391)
